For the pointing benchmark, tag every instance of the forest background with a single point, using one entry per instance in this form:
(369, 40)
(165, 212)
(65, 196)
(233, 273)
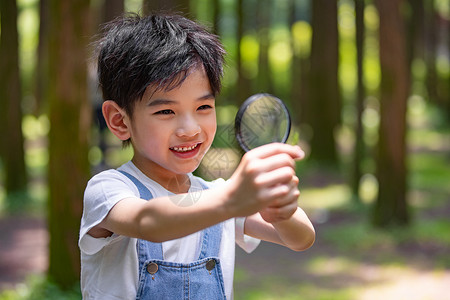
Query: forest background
(368, 86)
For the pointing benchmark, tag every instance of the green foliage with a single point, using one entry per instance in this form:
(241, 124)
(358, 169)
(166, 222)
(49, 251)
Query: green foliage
(40, 288)
(250, 52)
(361, 237)
(299, 293)
(301, 35)
(16, 202)
(432, 172)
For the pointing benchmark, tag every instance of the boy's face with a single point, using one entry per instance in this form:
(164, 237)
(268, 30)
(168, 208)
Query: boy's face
(172, 130)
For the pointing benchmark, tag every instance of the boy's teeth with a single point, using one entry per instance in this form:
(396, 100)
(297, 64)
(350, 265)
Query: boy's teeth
(184, 149)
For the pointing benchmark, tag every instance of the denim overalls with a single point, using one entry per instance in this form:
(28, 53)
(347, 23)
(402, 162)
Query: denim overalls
(159, 279)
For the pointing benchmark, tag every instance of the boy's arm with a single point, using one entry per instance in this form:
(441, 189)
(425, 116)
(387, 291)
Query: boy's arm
(263, 176)
(163, 218)
(296, 233)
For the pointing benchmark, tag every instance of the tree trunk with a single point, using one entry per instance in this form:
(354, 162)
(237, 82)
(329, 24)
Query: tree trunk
(179, 6)
(263, 12)
(70, 119)
(12, 145)
(299, 72)
(448, 78)
(243, 89)
(324, 96)
(391, 205)
(41, 78)
(358, 152)
(416, 31)
(430, 52)
(216, 16)
(112, 9)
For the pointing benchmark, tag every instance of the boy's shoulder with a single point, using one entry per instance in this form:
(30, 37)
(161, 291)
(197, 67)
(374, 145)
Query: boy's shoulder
(109, 175)
(112, 174)
(109, 183)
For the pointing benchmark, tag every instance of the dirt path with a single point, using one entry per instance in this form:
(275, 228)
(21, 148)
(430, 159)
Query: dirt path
(23, 249)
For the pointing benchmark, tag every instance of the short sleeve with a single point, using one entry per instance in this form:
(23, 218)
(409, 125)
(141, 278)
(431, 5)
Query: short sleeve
(103, 191)
(246, 242)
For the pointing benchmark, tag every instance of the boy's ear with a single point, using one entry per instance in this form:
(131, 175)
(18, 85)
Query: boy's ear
(116, 119)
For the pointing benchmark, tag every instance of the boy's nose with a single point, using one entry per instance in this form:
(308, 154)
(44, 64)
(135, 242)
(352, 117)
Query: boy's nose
(188, 127)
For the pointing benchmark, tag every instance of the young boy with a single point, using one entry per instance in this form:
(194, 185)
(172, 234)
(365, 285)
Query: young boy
(150, 229)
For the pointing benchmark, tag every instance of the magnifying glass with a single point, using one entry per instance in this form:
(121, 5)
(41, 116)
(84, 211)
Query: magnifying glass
(262, 119)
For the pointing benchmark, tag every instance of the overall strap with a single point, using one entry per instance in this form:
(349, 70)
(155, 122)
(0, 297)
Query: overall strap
(211, 241)
(154, 249)
(143, 190)
(212, 237)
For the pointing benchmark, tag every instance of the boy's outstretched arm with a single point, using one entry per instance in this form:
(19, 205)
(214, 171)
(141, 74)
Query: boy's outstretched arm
(262, 178)
(296, 233)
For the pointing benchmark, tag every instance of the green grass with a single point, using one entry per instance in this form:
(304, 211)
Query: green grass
(37, 287)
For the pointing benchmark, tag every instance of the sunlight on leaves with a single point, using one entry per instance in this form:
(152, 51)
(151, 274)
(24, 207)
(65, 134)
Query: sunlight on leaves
(95, 156)
(329, 197)
(368, 189)
(250, 52)
(226, 114)
(280, 54)
(331, 265)
(34, 128)
(302, 33)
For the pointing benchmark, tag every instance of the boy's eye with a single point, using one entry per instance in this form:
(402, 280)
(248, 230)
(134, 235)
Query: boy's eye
(164, 112)
(203, 107)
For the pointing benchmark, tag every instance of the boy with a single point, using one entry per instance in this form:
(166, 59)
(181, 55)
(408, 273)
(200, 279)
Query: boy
(159, 77)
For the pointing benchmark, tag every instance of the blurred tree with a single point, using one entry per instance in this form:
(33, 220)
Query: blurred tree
(41, 71)
(12, 144)
(358, 151)
(391, 205)
(416, 30)
(70, 119)
(112, 9)
(216, 16)
(263, 19)
(324, 105)
(431, 30)
(298, 69)
(181, 6)
(105, 13)
(243, 88)
(447, 97)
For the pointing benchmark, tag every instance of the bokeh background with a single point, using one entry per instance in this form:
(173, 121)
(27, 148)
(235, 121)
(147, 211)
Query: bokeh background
(368, 86)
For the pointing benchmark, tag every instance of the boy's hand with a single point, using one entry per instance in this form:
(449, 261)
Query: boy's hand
(282, 208)
(265, 182)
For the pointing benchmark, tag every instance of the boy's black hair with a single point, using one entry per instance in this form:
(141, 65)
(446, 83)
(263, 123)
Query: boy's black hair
(157, 50)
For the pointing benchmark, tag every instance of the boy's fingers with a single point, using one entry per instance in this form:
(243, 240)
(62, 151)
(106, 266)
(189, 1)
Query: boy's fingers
(275, 214)
(282, 175)
(273, 162)
(289, 198)
(277, 148)
(281, 195)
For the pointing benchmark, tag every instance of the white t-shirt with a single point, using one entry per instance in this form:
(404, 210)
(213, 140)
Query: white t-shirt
(109, 266)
